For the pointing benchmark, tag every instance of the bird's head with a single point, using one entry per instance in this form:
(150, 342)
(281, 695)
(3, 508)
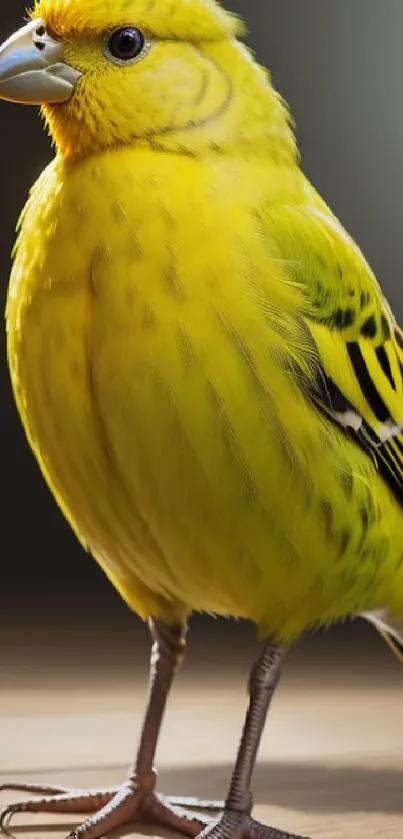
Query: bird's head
(169, 73)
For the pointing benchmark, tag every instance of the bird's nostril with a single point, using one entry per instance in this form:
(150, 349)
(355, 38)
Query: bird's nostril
(40, 46)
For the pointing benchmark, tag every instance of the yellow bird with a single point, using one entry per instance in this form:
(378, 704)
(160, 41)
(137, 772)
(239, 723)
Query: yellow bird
(204, 364)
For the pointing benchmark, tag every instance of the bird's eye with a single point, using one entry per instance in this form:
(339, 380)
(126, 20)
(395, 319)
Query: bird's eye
(125, 44)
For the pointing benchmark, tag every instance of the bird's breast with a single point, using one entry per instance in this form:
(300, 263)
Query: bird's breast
(129, 318)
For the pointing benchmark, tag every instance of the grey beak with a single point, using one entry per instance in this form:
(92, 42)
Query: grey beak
(31, 69)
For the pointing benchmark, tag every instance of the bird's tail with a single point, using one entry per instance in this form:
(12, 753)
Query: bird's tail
(391, 630)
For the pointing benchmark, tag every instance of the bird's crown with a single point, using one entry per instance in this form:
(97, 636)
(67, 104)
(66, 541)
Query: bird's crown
(198, 20)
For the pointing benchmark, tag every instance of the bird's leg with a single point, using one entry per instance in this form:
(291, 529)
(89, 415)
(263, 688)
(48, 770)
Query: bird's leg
(136, 799)
(236, 819)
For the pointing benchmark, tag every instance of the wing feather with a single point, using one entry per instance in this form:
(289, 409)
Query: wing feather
(360, 347)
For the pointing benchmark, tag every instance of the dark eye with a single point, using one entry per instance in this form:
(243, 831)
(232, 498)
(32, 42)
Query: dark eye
(126, 43)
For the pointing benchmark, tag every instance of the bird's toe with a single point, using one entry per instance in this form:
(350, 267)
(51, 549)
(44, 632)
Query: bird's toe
(238, 825)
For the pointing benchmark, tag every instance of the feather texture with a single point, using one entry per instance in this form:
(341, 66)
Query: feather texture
(359, 383)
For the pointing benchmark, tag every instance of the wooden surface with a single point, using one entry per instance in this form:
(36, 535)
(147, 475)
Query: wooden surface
(332, 755)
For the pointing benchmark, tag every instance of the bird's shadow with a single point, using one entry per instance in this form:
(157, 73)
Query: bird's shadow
(305, 787)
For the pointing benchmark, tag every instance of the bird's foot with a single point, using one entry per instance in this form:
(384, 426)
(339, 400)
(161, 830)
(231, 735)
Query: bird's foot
(233, 824)
(134, 801)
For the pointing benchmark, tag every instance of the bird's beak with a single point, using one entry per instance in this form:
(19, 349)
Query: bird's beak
(31, 68)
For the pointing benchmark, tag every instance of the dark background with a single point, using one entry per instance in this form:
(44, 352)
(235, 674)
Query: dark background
(339, 63)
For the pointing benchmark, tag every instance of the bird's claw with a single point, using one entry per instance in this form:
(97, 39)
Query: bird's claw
(238, 825)
(112, 808)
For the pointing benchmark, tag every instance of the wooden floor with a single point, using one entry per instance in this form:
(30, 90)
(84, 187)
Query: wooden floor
(332, 757)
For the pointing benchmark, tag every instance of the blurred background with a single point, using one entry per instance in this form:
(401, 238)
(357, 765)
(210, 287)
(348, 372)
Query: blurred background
(339, 64)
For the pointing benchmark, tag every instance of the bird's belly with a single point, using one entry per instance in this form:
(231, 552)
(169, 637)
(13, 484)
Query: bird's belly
(106, 451)
(177, 485)
(142, 480)
(152, 505)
